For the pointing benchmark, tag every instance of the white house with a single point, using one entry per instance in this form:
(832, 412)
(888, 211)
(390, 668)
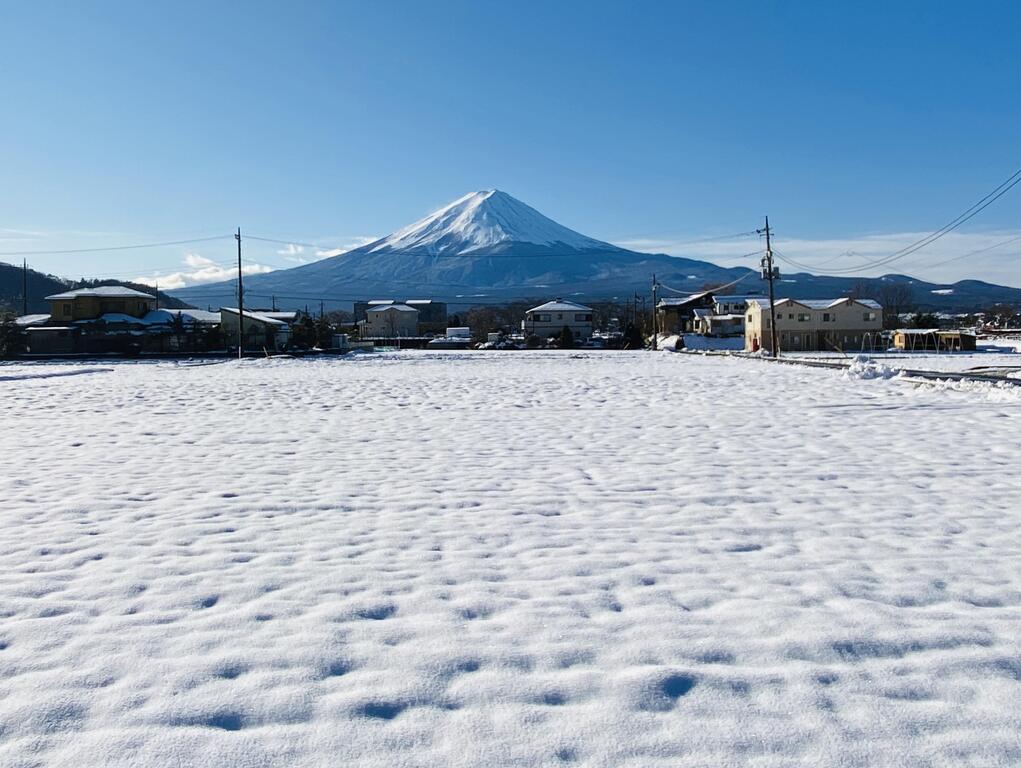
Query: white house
(813, 324)
(551, 318)
(389, 321)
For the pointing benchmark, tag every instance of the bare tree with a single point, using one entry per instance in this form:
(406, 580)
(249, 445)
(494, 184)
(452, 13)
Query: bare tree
(896, 298)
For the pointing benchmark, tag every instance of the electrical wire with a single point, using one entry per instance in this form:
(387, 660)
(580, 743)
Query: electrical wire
(999, 191)
(115, 247)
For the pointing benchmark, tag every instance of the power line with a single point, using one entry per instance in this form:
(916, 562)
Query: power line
(115, 247)
(976, 252)
(999, 191)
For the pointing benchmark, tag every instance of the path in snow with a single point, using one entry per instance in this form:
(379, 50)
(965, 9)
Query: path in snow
(465, 559)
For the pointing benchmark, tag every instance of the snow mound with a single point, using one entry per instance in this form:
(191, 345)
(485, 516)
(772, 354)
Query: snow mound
(862, 367)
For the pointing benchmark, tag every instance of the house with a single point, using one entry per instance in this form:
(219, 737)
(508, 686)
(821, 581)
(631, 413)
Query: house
(933, 339)
(91, 303)
(432, 315)
(389, 321)
(814, 324)
(706, 323)
(677, 314)
(261, 331)
(735, 305)
(551, 318)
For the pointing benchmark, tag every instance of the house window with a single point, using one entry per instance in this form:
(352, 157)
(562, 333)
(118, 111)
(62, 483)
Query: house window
(826, 317)
(802, 317)
(870, 316)
(790, 316)
(560, 317)
(66, 309)
(582, 318)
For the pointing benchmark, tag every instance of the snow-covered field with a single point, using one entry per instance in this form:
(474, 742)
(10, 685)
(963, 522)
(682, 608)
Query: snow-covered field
(506, 559)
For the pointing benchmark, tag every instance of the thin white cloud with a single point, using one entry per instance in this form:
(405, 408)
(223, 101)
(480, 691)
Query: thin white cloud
(202, 270)
(351, 244)
(946, 260)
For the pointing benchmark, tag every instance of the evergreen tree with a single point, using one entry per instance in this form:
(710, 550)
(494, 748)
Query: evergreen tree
(12, 337)
(566, 339)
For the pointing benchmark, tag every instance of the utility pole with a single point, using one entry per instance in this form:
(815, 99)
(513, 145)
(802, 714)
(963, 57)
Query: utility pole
(241, 303)
(274, 303)
(655, 315)
(322, 310)
(770, 273)
(157, 292)
(24, 286)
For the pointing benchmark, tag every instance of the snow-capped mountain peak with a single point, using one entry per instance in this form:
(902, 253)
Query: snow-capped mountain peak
(482, 221)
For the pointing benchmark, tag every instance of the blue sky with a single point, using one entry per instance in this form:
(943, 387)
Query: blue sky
(645, 124)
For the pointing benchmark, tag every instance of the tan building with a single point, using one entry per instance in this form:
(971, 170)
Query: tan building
(551, 318)
(814, 325)
(391, 321)
(261, 331)
(91, 303)
(933, 339)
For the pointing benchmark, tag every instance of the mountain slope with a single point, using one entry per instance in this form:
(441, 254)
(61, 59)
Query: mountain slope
(41, 285)
(489, 247)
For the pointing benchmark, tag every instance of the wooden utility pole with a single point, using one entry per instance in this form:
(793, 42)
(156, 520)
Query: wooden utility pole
(655, 315)
(241, 303)
(157, 292)
(770, 273)
(24, 286)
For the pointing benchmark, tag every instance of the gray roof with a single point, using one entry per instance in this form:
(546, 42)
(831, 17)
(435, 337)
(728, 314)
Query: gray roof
(103, 291)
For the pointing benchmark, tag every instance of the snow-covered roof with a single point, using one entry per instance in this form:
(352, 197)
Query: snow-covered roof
(394, 308)
(763, 301)
(559, 305)
(419, 301)
(287, 317)
(158, 317)
(743, 298)
(726, 317)
(679, 301)
(103, 291)
(255, 316)
(702, 312)
(936, 331)
(195, 315)
(26, 320)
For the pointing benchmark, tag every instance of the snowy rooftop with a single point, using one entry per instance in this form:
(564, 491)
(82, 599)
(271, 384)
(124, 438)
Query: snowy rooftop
(255, 316)
(816, 303)
(680, 301)
(559, 305)
(26, 320)
(392, 308)
(103, 291)
(158, 317)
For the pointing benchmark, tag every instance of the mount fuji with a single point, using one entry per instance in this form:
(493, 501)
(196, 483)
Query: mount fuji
(489, 247)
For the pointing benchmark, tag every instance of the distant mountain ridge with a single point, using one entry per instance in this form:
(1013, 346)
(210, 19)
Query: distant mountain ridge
(41, 285)
(488, 246)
